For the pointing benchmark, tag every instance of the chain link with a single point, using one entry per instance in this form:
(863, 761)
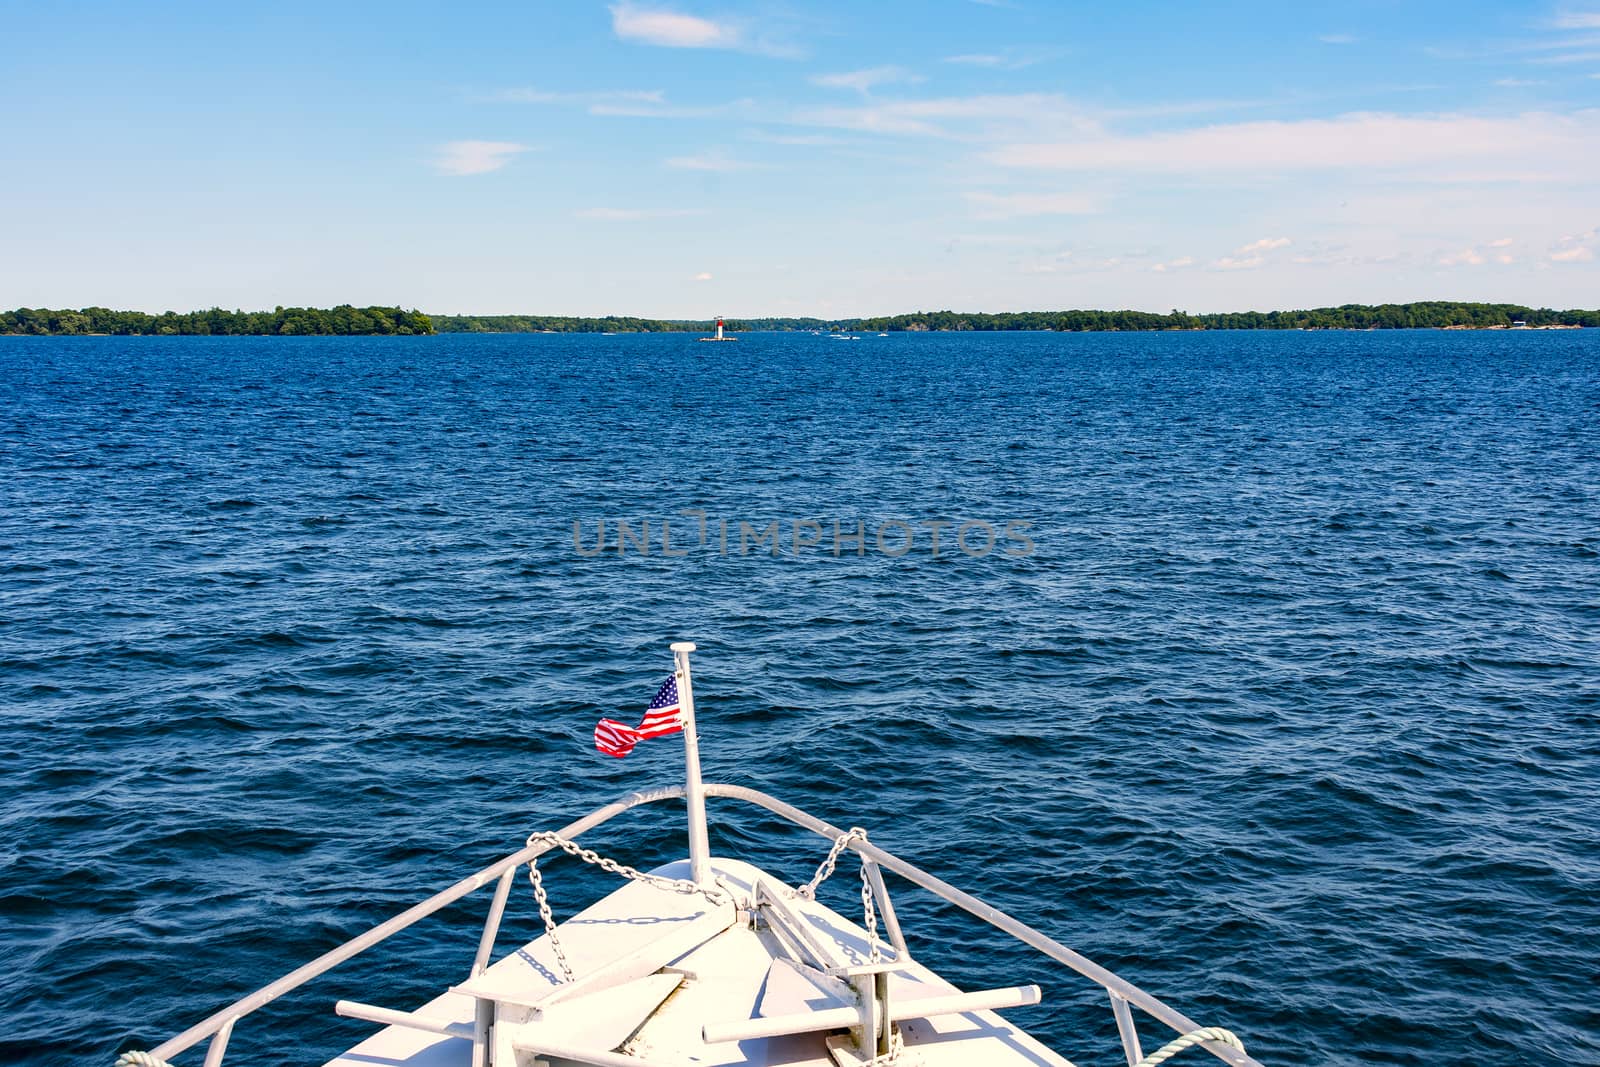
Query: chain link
(672, 885)
(825, 871)
(809, 890)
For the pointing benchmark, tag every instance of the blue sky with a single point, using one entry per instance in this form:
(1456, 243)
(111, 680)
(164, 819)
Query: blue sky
(692, 158)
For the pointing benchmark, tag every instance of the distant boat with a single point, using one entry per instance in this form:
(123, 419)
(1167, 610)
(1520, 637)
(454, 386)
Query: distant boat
(719, 336)
(883, 335)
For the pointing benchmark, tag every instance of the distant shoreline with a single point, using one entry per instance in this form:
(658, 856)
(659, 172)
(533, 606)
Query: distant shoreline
(348, 321)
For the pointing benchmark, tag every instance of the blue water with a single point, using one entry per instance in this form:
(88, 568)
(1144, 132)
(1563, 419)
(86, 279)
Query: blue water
(1286, 705)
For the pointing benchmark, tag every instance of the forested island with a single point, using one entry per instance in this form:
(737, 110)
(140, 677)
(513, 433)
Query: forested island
(617, 324)
(342, 320)
(353, 321)
(1431, 314)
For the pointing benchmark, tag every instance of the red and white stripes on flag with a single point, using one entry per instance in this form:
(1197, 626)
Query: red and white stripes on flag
(664, 716)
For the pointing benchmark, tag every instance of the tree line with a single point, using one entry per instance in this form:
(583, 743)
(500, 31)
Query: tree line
(1435, 314)
(617, 324)
(341, 320)
(354, 321)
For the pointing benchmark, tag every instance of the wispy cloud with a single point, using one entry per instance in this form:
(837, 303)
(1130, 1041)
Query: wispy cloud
(619, 214)
(1239, 262)
(703, 276)
(1567, 57)
(1576, 248)
(1022, 205)
(671, 29)
(1362, 140)
(1006, 59)
(863, 81)
(801, 139)
(954, 116)
(1181, 263)
(1517, 83)
(1252, 255)
(1266, 244)
(460, 158)
(627, 103)
(674, 29)
(601, 96)
(710, 161)
(1338, 38)
(1578, 20)
(1467, 257)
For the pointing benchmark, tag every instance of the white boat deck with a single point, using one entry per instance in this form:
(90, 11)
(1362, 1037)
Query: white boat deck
(652, 967)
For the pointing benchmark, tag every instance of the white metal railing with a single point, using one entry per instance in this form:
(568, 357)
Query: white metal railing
(1123, 994)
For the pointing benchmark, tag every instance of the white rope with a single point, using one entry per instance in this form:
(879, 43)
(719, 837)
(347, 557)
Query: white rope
(135, 1058)
(1194, 1037)
(572, 848)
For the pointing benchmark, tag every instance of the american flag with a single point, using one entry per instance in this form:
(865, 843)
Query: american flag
(661, 718)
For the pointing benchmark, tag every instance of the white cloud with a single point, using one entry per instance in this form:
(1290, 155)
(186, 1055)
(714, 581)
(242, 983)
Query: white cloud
(1517, 83)
(1239, 263)
(1578, 20)
(940, 116)
(461, 158)
(1467, 257)
(1502, 242)
(1173, 264)
(1266, 244)
(671, 29)
(635, 103)
(1576, 248)
(802, 139)
(1568, 57)
(711, 161)
(863, 81)
(1008, 59)
(1507, 260)
(703, 276)
(1354, 141)
(1021, 205)
(602, 96)
(618, 214)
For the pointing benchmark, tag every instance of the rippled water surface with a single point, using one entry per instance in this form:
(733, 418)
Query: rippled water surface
(1291, 715)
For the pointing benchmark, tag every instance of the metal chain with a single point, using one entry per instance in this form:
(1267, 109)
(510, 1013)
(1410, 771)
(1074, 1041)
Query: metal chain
(869, 920)
(631, 874)
(809, 890)
(825, 871)
(537, 880)
(869, 917)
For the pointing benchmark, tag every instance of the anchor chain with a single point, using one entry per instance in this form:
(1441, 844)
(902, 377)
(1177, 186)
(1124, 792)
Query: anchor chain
(611, 866)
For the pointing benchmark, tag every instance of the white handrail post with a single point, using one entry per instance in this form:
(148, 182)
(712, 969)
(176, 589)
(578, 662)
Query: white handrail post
(694, 791)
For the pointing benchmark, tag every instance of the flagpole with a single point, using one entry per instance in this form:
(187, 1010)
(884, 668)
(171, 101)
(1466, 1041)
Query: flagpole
(699, 848)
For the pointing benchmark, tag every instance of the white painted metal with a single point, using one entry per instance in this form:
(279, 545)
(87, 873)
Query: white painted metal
(728, 968)
(899, 1011)
(219, 1045)
(1126, 1029)
(491, 925)
(1179, 1022)
(699, 847)
(371, 1013)
(891, 921)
